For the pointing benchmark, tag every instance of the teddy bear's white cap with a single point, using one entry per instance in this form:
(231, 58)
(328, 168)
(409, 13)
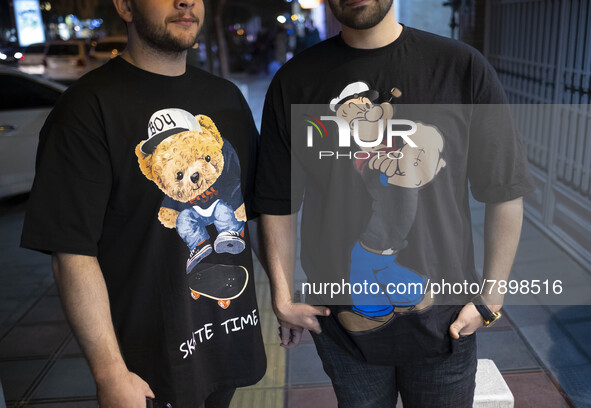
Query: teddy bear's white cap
(354, 90)
(165, 123)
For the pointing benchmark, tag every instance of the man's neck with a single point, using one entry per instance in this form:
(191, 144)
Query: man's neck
(150, 59)
(380, 35)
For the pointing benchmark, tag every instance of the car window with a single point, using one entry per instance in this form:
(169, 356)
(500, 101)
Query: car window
(110, 46)
(63, 49)
(22, 93)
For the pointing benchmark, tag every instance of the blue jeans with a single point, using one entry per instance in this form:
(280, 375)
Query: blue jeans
(447, 383)
(190, 225)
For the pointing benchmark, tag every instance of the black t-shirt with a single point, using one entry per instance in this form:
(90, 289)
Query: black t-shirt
(101, 191)
(349, 209)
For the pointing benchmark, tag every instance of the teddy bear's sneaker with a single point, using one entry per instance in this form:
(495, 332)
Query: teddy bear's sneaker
(229, 242)
(197, 254)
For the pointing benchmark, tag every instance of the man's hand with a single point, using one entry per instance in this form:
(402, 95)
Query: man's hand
(123, 390)
(294, 318)
(289, 334)
(279, 239)
(469, 320)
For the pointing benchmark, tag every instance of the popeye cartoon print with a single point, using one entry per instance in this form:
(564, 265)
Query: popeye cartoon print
(393, 176)
(199, 171)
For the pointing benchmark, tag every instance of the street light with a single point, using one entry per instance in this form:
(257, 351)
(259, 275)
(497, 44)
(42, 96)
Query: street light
(309, 4)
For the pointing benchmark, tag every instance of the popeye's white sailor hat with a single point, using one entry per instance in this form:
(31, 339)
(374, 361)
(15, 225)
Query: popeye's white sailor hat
(165, 123)
(353, 91)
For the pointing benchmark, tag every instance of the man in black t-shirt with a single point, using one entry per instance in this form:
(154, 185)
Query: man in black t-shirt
(142, 193)
(379, 211)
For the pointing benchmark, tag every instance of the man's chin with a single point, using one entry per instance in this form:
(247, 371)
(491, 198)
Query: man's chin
(178, 45)
(182, 37)
(357, 22)
(362, 16)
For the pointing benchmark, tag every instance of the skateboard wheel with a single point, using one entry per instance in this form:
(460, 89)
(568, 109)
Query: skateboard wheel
(195, 295)
(224, 303)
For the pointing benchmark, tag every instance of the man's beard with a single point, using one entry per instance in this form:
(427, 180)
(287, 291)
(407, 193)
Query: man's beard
(157, 36)
(363, 17)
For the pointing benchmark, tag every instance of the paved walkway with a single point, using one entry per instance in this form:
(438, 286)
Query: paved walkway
(544, 352)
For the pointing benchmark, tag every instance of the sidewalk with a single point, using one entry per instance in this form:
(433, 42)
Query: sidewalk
(544, 352)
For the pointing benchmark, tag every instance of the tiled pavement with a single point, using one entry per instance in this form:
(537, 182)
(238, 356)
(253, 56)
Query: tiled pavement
(544, 352)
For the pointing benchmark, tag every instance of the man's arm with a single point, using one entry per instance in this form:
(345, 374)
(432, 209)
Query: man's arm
(86, 303)
(278, 233)
(502, 229)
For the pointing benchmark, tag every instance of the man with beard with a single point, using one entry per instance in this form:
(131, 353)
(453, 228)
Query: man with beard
(374, 346)
(153, 333)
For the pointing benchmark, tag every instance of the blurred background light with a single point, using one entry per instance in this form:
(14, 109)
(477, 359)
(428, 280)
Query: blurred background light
(309, 4)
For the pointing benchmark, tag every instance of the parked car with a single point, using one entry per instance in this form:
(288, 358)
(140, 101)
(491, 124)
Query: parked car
(65, 60)
(26, 101)
(31, 61)
(104, 49)
(10, 53)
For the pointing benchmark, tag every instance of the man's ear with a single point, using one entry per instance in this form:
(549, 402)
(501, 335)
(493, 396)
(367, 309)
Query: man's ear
(123, 8)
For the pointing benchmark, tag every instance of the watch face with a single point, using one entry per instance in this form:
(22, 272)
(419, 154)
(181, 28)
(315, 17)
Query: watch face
(497, 316)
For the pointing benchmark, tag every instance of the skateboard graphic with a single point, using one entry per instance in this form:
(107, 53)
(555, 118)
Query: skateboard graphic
(218, 282)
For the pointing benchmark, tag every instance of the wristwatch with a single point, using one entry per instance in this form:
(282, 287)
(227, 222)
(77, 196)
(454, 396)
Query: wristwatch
(488, 315)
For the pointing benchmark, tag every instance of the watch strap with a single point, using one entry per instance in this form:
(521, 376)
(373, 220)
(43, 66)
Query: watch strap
(488, 315)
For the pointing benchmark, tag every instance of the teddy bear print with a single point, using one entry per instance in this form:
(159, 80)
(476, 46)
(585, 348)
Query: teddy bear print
(199, 171)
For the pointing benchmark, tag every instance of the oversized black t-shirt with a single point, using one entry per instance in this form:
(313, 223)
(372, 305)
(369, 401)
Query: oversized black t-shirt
(102, 190)
(349, 208)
